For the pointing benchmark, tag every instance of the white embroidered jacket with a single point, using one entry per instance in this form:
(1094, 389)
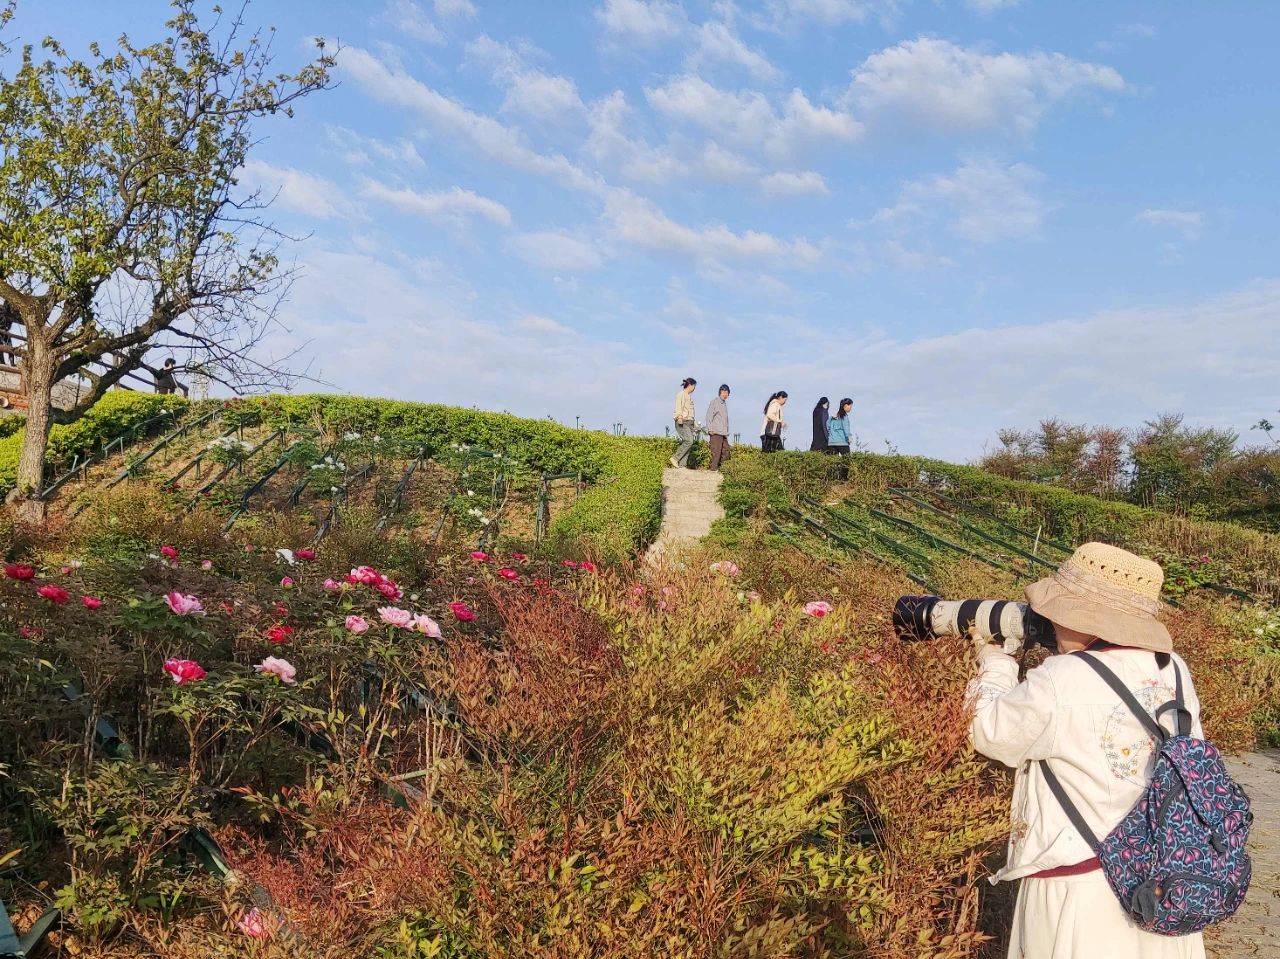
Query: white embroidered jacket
(1065, 713)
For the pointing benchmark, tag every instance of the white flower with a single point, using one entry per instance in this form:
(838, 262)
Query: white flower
(286, 555)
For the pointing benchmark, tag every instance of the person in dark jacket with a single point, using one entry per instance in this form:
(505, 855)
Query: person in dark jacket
(716, 424)
(819, 443)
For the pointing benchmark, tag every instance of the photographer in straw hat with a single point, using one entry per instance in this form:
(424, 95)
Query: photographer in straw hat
(1104, 600)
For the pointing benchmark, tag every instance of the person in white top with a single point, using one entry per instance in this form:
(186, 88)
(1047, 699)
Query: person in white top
(771, 429)
(1106, 600)
(686, 428)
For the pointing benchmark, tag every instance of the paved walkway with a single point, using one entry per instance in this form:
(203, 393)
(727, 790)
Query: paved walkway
(690, 504)
(1255, 930)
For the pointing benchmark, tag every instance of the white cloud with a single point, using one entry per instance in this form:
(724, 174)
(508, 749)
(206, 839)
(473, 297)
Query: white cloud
(296, 190)
(1185, 222)
(557, 251)
(452, 204)
(716, 43)
(938, 86)
(785, 183)
(530, 91)
(359, 150)
(983, 201)
(412, 21)
(611, 142)
(449, 117)
(990, 6)
(789, 14)
(541, 325)
(641, 224)
(747, 118)
(455, 9)
(645, 22)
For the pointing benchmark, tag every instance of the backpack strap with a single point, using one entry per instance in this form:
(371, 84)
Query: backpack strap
(1068, 807)
(1184, 718)
(1127, 697)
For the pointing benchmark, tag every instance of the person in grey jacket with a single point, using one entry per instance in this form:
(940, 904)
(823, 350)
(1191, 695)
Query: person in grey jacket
(717, 427)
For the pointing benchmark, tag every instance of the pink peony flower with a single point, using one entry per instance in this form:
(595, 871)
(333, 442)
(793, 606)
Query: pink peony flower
(54, 594)
(282, 669)
(183, 671)
(306, 555)
(817, 609)
(480, 556)
(366, 575)
(332, 584)
(426, 626)
(508, 573)
(206, 564)
(461, 611)
(389, 589)
(279, 633)
(19, 571)
(394, 616)
(169, 553)
(286, 582)
(90, 602)
(727, 567)
(357, 624)
(637, 590)
(253, 925)
(184, 605)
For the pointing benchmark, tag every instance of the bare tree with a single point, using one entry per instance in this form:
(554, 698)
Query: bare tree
(124, 227)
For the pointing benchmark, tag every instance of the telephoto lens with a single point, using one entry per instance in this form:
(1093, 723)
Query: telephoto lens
(918, 618)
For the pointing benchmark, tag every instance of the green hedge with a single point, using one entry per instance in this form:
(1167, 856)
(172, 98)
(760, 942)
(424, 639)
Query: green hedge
(754, 481)
(623, 510)
(610, 521)
(113, 415)
(540, 444)
(11, 424)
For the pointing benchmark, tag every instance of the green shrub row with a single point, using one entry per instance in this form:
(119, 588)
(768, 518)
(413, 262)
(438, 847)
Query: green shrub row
(540, 444)
(623, 510)
(754, 481)
(11, 424)
(114, 414)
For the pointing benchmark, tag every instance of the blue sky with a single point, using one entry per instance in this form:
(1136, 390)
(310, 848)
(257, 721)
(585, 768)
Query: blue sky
(964, 215)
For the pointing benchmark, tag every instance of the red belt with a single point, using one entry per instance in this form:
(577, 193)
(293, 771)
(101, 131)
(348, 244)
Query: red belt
(1089, 865)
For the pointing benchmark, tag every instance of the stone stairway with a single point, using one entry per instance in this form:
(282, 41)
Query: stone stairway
(690, 504)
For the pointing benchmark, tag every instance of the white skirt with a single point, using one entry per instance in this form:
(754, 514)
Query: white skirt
(1078, 917)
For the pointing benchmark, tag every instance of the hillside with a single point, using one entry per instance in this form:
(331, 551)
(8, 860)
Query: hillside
(329, 676)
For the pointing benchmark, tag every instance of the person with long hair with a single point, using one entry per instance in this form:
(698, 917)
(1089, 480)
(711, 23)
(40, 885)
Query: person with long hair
(685, 428)
(819, 441)
(839, 433)
(774, 424)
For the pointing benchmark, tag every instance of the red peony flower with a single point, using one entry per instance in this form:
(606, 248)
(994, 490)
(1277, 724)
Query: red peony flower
(306, 555)
(518, 557)
(54, 594)
(279, 633)
(462, 611)
(569, 564)
(587, 567)
(91, 602)
(183, 671)
(169, 553)
(480, 556)
(508, 573)
(19, 571)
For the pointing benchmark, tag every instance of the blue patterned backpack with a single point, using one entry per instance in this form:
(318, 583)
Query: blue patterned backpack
(1177, 861)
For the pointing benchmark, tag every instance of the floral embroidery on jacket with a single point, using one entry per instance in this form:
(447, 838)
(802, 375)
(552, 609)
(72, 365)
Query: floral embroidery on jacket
(1130, 749)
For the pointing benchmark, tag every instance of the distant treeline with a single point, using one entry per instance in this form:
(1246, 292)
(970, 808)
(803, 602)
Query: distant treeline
(1205, 473)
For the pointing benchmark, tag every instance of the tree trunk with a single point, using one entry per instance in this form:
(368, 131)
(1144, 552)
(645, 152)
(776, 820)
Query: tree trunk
(37, 382)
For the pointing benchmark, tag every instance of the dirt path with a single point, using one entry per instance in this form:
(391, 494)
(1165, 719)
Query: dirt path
(1255, 930)
(690, 504)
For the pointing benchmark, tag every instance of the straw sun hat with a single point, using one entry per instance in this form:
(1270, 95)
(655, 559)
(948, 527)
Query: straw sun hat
(1107, 592)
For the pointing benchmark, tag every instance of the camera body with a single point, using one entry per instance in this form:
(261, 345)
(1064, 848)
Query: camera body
(918, 618)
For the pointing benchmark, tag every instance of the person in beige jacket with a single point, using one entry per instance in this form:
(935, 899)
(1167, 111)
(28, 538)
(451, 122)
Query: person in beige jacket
(1105, 600)
(686, 427)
